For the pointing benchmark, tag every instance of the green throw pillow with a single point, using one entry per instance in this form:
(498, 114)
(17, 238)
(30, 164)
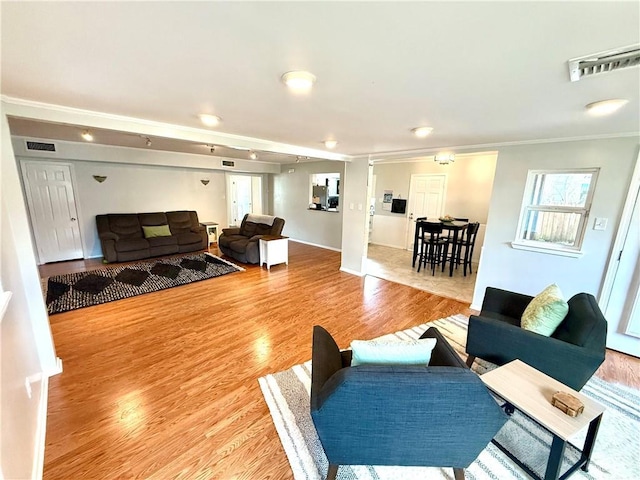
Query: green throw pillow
(157, 231)
(392, 352)
(545, 312)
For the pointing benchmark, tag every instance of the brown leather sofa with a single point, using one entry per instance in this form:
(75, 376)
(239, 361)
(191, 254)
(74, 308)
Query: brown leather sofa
(123, 238)
(241, 243)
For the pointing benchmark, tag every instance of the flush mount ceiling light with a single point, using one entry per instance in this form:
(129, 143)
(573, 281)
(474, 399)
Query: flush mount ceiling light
(444, 158)
(148, 142)
(330, 143)
(209, 120)
(87, 136)
(253, 156)
(299, 81)
(421, 132)
(605, 107)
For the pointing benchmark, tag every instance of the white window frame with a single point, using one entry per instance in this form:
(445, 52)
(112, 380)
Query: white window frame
(555, 248)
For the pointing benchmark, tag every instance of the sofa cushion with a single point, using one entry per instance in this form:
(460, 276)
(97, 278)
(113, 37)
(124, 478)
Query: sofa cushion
(132, 244)
(156, 218)
(156, 231)
(248, 229)
(188, 238)
(392, 352)
(125, 225)
(227, 240)
(239, 245)
(182, 221)
(262, 229)
(545, 312)
(162, 241)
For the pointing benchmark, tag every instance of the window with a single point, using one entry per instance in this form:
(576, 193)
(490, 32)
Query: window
(555, 210)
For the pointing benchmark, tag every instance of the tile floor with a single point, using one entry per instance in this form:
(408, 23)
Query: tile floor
(394, 264)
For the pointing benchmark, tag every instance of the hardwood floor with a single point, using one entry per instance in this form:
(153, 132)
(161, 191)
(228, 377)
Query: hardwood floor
(164, 385)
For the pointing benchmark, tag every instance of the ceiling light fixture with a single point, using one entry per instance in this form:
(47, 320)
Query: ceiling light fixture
(421, 132)
(253, 156)
(330, 143)
(606, 107)
(87, 136)
(299, 81)
(209, 120)
(212, 148)
(444, 158)
(148, 142)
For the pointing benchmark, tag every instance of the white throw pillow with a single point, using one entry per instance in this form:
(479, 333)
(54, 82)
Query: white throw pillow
(392, 352)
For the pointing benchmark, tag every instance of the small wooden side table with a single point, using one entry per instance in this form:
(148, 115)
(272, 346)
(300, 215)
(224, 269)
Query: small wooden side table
(212, 231)
(274, 250)
(530, 391)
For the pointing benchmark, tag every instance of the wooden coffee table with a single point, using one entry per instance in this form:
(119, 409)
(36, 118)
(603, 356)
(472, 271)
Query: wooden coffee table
(529, 390)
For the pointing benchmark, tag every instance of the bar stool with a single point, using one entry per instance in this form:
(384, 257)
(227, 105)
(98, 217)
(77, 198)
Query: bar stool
(432, 245)
(468, 243)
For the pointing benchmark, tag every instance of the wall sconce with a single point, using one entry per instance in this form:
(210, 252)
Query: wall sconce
(205, 181)
(99, 178)
(444, 159)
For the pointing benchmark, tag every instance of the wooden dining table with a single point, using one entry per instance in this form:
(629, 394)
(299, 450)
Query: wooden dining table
(456, 227)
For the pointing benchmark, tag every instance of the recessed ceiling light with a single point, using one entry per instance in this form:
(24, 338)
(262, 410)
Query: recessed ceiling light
(299, 81)
(421, 132)
(209, 120)
(253, 156)
(87, 136)
(330, 143)
(606, 107)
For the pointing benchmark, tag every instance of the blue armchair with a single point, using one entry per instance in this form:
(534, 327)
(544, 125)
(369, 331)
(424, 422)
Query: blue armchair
(571, 354)
(439, 415)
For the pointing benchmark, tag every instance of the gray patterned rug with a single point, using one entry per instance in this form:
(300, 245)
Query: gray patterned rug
(84, 289)
(616, 454)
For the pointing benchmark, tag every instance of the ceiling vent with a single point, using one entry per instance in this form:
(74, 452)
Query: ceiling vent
(41, 146)
(228, 163)
(604, 62)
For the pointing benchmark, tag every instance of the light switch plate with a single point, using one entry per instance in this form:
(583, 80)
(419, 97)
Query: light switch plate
(600, 224)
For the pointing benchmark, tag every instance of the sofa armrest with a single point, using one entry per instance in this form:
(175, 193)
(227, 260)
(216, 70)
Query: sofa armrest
(231, 231)
(109, 236)
(326, 360)
(503, 302)
(443, 354)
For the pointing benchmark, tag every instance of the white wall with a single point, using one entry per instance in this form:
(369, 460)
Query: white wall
(530, 272)
(291, 198)
(355, 222)
(27, 345)
(141, 188)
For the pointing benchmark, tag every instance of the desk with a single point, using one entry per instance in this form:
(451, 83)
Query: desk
(454, 227)
(212, 231)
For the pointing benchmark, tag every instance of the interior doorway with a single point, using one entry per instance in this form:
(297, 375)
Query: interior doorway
(52, 209)
(245, 196)
(426, 199)
(621, 291)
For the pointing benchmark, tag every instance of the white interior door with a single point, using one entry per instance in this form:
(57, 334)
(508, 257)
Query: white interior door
(245, 197)
(426, 199)
(52, 206)
(623, 309)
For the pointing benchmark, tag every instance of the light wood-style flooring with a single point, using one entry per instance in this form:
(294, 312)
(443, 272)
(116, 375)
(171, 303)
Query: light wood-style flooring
(164, 385)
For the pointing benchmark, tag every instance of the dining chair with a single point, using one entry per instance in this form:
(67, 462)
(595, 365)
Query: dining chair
(418, 241)
(467, 243)
(434, 248)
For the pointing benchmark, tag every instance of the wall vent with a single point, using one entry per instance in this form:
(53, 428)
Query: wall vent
(604, 62)
(228, 163)
(41, 146)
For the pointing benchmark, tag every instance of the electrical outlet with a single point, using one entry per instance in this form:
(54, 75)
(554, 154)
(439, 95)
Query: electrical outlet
(600, 224)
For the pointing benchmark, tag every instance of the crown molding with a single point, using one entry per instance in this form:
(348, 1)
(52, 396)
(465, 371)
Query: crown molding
(481, 148)
(18, 107)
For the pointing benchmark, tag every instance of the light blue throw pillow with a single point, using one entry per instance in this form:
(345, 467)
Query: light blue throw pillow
(392, 352)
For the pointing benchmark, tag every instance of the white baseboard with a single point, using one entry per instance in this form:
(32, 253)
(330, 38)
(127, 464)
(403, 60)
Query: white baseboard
(352, 272)
(475, 307)
(399, 247)
(315, 245)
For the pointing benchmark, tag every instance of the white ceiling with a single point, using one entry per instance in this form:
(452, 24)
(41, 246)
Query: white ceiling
(478, 72)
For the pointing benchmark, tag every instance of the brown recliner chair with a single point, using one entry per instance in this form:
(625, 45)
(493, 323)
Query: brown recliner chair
(241, 243)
